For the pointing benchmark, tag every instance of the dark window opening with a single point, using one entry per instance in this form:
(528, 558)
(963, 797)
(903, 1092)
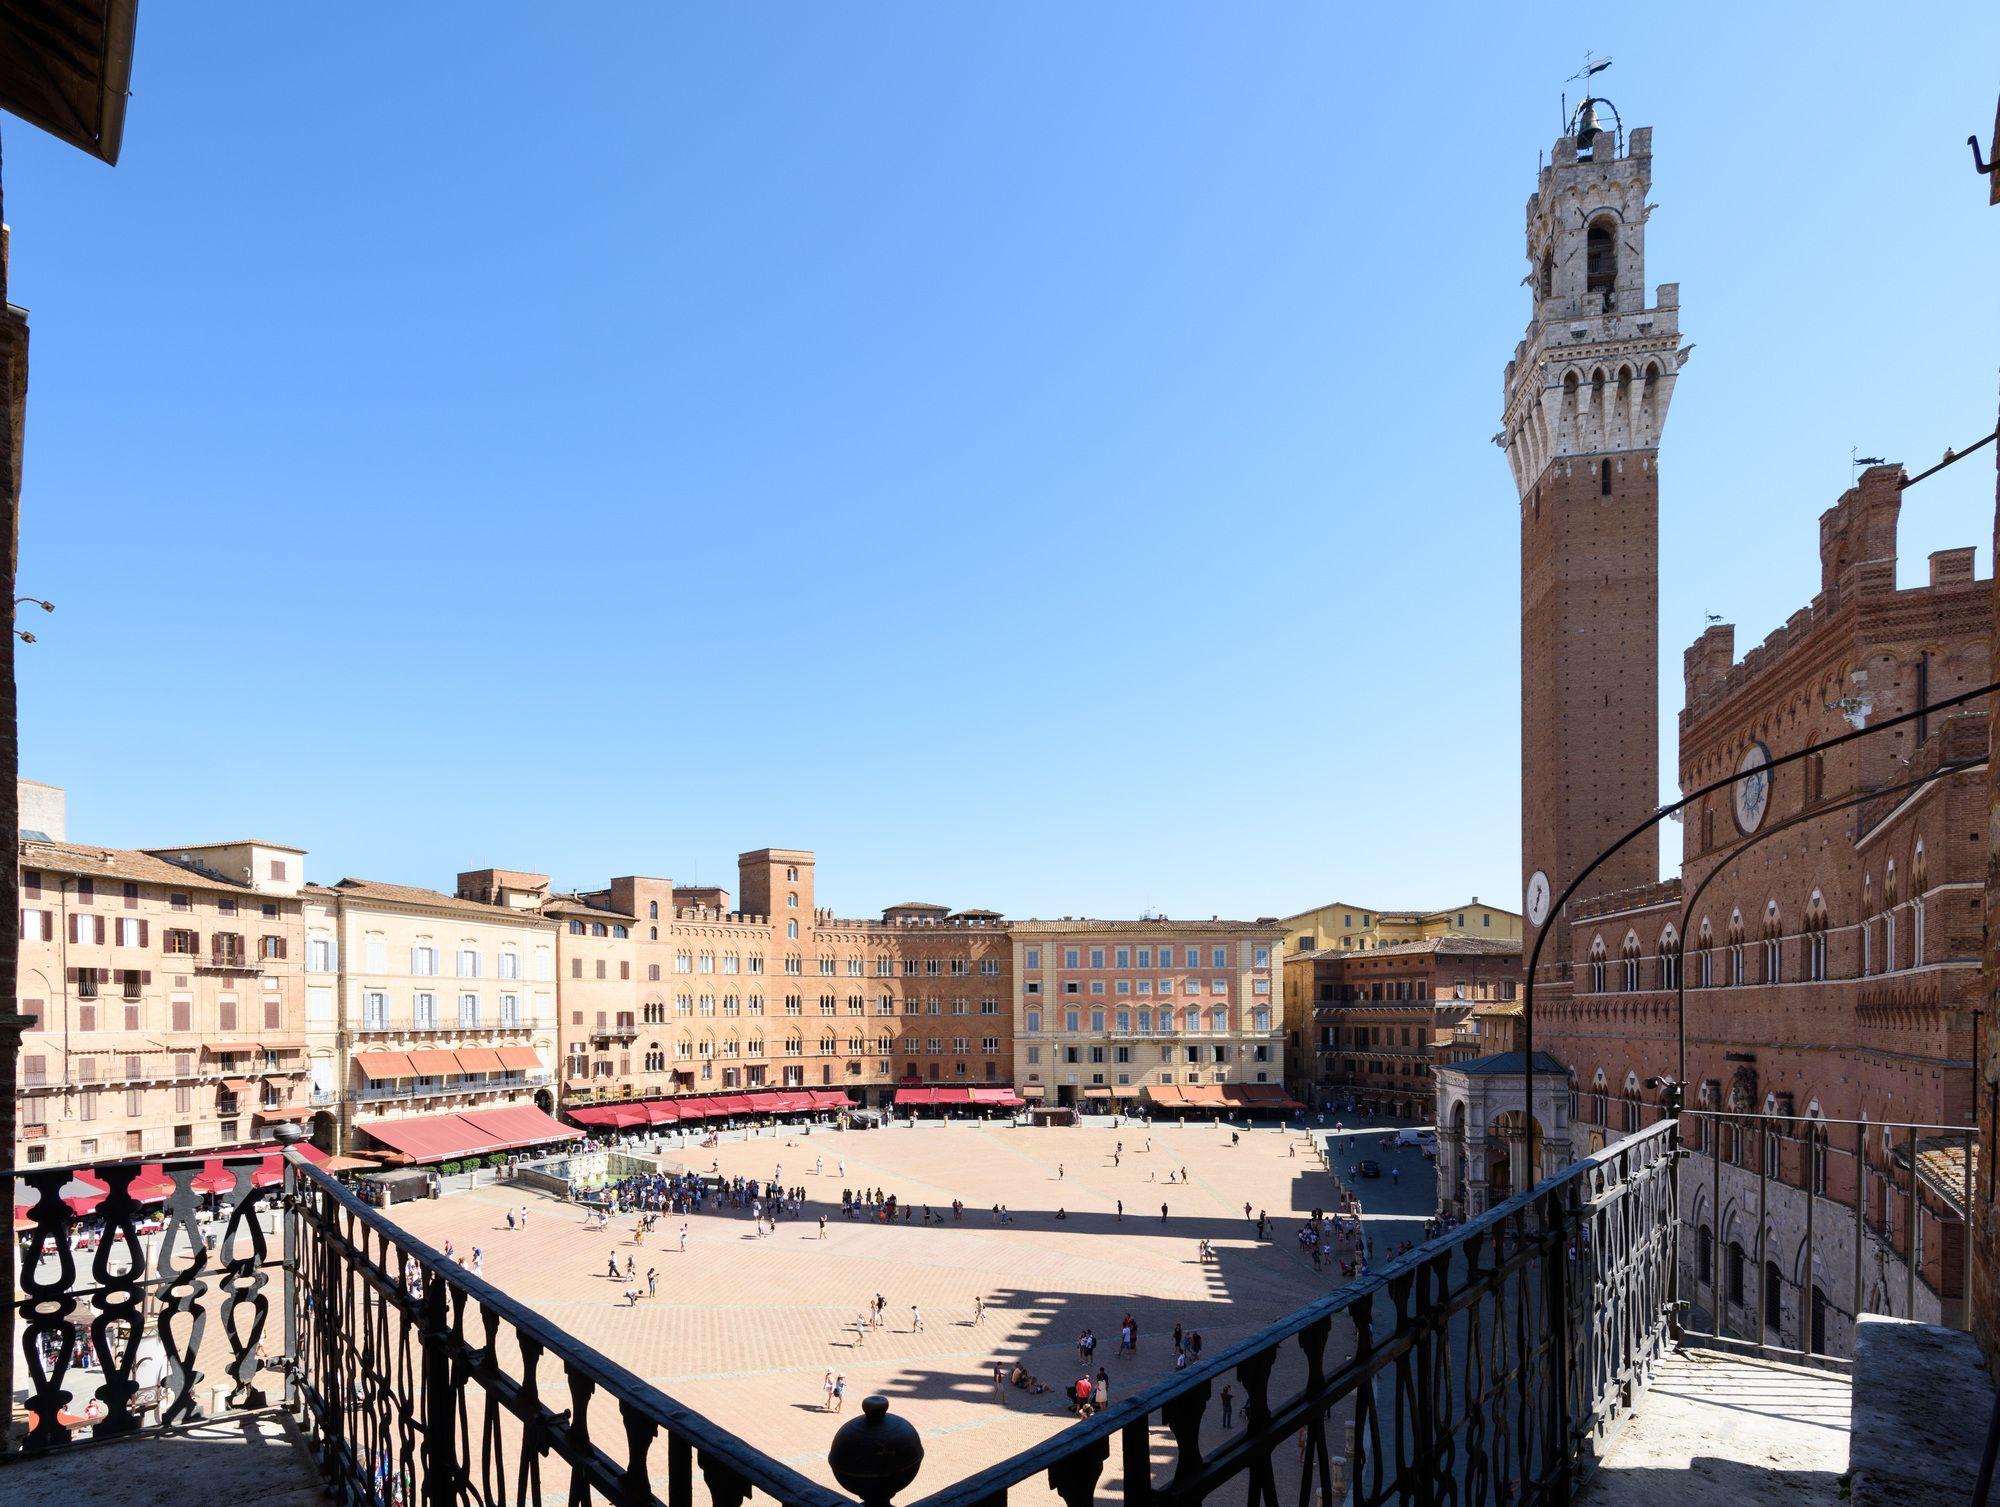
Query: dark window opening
(1600, 258)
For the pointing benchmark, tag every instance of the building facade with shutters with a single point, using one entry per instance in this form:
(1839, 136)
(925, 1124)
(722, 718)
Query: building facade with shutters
(165, 990)
(1175, 1013)
(669, 990)
(425, 1011)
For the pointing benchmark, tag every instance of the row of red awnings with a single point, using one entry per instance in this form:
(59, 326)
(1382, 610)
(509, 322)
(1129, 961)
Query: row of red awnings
(472, 1132)
(379, 1066)
(88, 1188)
(979, 1098)
(1221, 1096)
(630, 1114)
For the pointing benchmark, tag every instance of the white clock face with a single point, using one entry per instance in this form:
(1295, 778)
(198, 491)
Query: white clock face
(1538, 898)
(1752, 792)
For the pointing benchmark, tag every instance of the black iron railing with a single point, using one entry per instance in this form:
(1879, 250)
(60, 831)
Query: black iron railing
(1478, 1368)
(137, 1311)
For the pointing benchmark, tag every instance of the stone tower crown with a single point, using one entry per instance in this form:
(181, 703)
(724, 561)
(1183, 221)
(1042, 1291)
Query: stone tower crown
(1596, 372)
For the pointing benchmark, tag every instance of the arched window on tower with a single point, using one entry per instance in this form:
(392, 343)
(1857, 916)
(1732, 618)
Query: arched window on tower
(1601, 258)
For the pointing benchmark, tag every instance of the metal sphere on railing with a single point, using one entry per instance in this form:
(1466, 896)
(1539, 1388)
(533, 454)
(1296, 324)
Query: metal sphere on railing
(875, 1456)
(288, 1132)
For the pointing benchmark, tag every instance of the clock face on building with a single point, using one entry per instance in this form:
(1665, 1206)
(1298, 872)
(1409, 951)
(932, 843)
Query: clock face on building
(1537, 905)
(1752, 792)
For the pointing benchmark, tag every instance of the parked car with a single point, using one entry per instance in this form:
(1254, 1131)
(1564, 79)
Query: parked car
(1367, 1169)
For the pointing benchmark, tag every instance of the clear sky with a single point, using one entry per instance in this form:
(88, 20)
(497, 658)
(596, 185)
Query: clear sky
(1035, 455)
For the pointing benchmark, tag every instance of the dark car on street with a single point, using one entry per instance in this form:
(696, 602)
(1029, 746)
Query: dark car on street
(1367, 1169)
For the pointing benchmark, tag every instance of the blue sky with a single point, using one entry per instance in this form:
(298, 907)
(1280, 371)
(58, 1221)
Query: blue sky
(1036, 455)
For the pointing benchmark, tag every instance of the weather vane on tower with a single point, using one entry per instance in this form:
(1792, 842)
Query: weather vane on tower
(1583, 123)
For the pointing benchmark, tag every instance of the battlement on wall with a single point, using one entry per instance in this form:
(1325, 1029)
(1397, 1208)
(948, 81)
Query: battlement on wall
(1857, 542)
(1634, 898)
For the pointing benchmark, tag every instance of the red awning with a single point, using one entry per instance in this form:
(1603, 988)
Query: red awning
(518, 1125)
(380, 1065)
(916, 1096)
(953, 1095)
(229, 1048)
(479, 1060)
(661, 1112)
(763, 1104)
(519, 1057)
(830, 1098)
(429, 1138)
(615, 1116)
(696, 1108)
(434, 1063)
(236, 1085)
(214, 1177)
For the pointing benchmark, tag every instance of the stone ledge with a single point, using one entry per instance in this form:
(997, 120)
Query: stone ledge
(1922, 1400)
(258, 1459)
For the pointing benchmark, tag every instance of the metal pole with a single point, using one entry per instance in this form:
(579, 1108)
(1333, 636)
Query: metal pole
(1812, 1201)
(1716, 1290)
(1763, 1258)
(1910, 1237)
(1860, 1207)
(1965, 1230)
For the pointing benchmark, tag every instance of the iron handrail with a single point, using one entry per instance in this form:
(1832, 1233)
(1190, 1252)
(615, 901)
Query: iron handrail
(322, 1205)
(1498, 1224)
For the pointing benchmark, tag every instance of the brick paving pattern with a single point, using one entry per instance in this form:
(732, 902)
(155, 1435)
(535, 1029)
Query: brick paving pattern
(744, 1329)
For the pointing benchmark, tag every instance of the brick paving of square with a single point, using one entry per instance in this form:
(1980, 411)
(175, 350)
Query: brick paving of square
(744, 1329)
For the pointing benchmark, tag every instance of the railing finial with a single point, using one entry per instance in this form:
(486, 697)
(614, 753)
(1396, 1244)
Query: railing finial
(875, 1456)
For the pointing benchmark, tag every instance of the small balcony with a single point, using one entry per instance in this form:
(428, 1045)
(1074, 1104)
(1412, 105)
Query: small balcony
(226, 962)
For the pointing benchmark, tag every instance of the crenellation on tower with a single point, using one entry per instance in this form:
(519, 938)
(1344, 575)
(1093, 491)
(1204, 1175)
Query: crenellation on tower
(1595, 373)
(1586, 400)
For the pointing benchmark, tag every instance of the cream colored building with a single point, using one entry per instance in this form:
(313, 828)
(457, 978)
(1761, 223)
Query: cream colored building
(1343, 926)
(165, 990)
(422, 1009)
(1115, 1010)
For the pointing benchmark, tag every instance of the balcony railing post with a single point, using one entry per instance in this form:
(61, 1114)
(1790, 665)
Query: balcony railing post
(1717, 1279)
(287, 1136)
(440, 1432)
(1860, 1209)
(1812, 1201)
(1910, 1238)
(1965, 1243)
(1763, 1255)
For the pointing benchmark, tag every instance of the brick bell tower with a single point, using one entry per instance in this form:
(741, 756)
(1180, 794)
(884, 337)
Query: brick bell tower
(1587, 397)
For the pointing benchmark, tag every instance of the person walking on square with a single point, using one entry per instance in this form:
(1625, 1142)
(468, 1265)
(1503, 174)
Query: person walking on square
(999, 1383)
(1228, 1406)
(822, 1227)
(611, 1267)
(652, 1281)
(1121, 1211)
(839, 1392)
(1163, 1213)
(916, 1320)
(978, 1309)
(510, 1221)
(524, 1217)
(826, 1394)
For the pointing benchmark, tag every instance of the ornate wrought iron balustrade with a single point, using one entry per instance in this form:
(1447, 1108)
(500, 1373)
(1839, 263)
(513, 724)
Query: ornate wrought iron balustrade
(116, 1291)
(419, 1382)
(1474, 1370)
(1477, 1369)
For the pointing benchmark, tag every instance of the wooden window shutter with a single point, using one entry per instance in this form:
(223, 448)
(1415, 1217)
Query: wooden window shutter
(145, 933)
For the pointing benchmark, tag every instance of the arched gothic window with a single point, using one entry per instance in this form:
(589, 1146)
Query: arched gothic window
(1601, 256)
